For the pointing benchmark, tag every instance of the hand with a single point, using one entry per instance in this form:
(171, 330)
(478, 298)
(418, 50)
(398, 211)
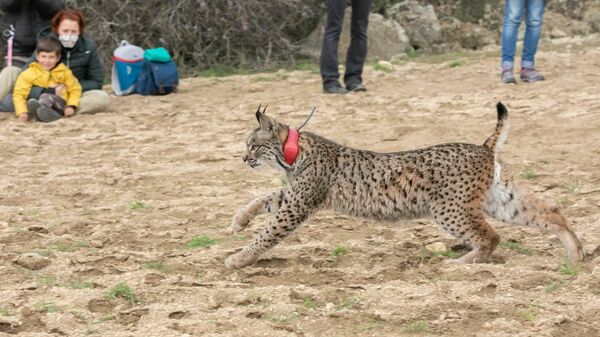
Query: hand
(69, 111)
(24, 117)
(58, 90)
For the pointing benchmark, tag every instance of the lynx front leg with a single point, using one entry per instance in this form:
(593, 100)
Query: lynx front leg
(269, 202)
(294, 211)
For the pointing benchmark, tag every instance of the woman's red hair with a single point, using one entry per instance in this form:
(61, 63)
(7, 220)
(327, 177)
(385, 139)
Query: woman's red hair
(70, 14)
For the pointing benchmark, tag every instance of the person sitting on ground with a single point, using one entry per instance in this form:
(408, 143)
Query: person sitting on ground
(79, 54)
(46, 72)
(23, 19)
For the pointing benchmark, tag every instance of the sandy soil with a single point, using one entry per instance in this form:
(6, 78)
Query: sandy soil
(116, 198)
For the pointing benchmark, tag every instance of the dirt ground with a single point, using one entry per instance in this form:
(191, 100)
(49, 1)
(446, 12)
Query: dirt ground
(115, 224)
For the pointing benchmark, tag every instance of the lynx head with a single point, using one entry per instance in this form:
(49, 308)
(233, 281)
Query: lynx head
(264, 146)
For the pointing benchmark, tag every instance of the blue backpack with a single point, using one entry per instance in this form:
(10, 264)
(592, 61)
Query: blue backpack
(159, 75)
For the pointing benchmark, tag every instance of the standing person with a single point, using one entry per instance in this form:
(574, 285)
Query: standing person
(23, 19)
(79, 54)
(534, 15)
(357, 51)
(46, 72)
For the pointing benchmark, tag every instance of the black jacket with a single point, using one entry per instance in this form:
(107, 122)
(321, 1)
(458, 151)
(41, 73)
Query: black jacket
(84, 62)
(28, 17)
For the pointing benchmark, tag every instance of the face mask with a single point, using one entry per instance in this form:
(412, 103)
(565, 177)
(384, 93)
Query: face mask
(68, 41)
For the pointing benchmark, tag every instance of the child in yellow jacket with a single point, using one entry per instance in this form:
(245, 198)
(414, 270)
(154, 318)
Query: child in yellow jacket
(62, 91)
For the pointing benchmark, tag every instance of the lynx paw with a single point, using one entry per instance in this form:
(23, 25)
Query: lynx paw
(239, 222)
(238, 260)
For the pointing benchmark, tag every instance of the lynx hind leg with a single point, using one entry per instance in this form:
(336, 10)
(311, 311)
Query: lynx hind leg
(505, 202)
(269, 202)
(467, 223)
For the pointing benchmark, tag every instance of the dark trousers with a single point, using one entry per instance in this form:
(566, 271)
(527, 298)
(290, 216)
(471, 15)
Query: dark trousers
(357, 51)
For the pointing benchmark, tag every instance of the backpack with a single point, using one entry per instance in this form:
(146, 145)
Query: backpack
(159, 75)
(127, 65)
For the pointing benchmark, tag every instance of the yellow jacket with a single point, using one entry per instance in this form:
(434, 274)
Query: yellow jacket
(35, 75)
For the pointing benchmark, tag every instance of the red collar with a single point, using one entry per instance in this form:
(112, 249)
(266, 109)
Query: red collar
(290, 147)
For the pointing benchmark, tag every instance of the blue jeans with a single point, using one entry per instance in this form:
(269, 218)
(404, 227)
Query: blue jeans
(534, 14)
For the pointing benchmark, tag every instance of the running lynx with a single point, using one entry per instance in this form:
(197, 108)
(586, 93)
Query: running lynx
(455, 183)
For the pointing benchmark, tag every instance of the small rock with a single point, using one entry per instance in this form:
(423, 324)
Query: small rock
(329, 306)
(32, 261)
(386, 64)
(436, 247)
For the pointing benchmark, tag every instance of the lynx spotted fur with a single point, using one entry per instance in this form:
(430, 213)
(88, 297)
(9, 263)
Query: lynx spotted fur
(455, 183)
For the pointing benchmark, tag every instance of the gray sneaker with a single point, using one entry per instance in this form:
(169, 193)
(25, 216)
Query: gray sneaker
(506, 76)
(531, 75)
(32, 106)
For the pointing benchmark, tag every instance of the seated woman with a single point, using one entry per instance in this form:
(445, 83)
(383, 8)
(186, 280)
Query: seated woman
(81, 56)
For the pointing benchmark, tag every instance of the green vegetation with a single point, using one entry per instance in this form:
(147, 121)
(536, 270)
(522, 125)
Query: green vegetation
(137, 205)
(516, 247)
(382, 67)
(48, 307)
(339, 250)
(158, 265)
(528, 314)
(104, 318)
(47, 280)
(553, 286)
(416, 327)
(347, 303)
(122, 290)
(282, 318)
(455, 64)
(309, 303)
(569, 269)
(529, 174)
(200, 241)
(307, 65)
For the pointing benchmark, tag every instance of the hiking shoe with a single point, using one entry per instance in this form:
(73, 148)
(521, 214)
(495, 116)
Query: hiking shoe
(356, 87)
(46, 115)
(33, 105)
(335, 89)
(531, 75)
(507, 76)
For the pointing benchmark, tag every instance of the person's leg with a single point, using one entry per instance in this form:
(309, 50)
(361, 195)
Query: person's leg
(533, 29)
(6, 104)
(8, 76)
(331, 38)
(357, 51)
(513, 14)
(52, 107)
(93, 101)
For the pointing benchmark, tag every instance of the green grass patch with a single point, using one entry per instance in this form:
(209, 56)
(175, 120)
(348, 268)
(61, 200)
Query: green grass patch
(124, 291)
(104, 318)
(137, 205)
(339, 250)
(200, 241)
(158, 265)
(553, 287)
(382, 67)
(306, 65)
(309, 303)
(528, 314)
(47, 280)
(5, 312)
(78, 284)
(569, 269)
(516, 247)
(529, 174)
(426, 253)
(455, 64)
(48, 307)
(416, 327)
(348, 304)
(263, 79)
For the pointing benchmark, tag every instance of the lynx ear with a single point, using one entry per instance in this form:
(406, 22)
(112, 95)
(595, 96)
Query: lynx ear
(266, 123)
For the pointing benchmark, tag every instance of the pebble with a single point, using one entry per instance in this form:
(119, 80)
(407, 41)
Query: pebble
(436, 247)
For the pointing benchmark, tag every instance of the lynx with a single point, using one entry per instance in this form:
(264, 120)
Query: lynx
(454, 183)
